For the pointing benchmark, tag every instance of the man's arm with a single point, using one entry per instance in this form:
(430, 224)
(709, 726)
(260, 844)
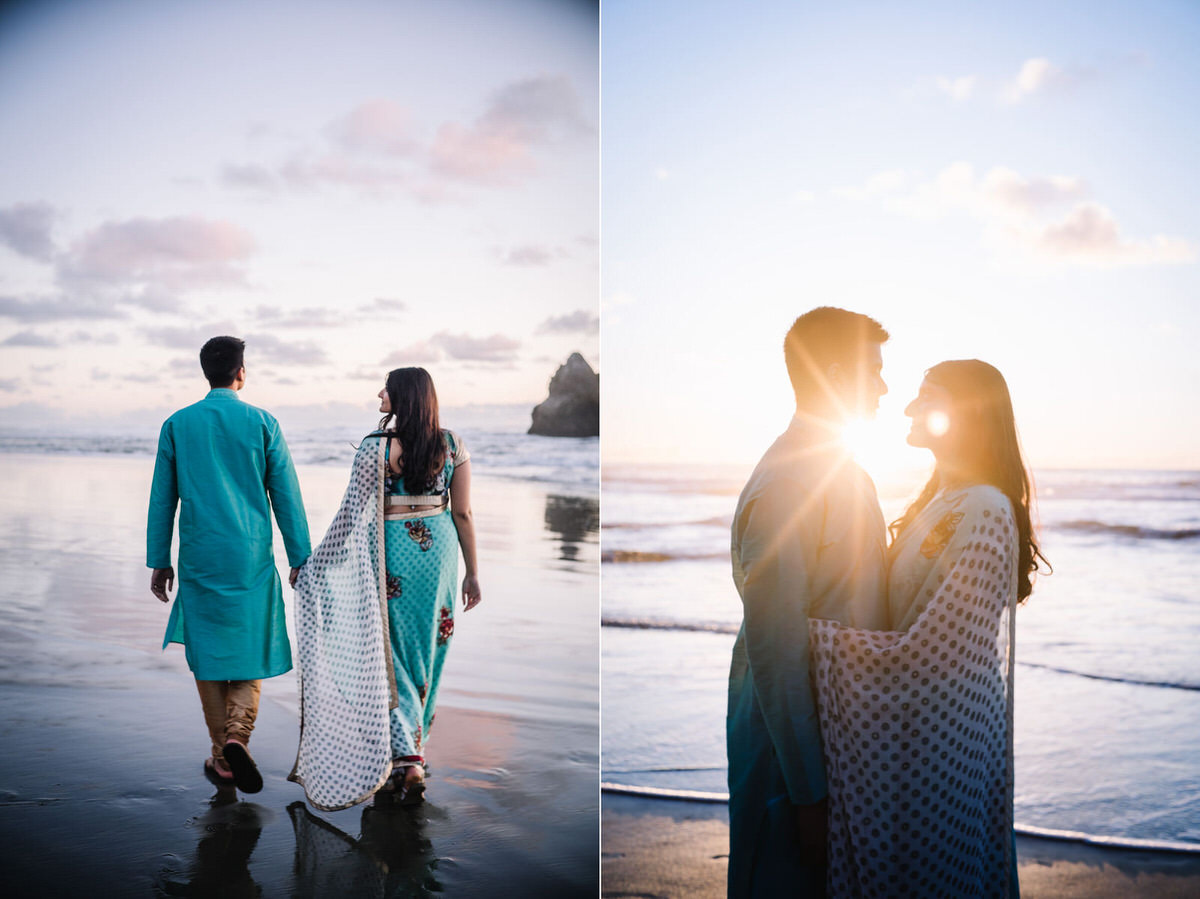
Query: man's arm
(284, 489)
(777, 540)
(164, 497)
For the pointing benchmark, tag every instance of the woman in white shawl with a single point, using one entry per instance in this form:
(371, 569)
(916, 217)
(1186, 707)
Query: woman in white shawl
(917, 722)
(375, 604)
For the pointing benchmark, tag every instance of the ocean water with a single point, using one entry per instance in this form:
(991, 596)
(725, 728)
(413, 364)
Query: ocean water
(1108, 681)
(72, 553)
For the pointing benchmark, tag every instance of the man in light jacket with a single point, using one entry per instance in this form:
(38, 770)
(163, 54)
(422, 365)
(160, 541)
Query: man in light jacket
(808, 540)
(226, 465)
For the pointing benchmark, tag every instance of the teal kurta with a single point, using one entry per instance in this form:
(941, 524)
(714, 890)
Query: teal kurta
(226, 464)
(808, 541)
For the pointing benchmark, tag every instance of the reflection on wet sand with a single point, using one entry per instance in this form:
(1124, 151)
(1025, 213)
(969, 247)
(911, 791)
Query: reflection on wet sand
(222, 864)
(573, 519)
(392, 859)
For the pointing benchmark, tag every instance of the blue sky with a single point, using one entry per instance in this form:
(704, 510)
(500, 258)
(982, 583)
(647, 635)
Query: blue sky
(351, 187)
(1015, 183)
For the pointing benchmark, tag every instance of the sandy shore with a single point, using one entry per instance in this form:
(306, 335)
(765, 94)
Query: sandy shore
(101, 794)
(101, 788)
(655, 848)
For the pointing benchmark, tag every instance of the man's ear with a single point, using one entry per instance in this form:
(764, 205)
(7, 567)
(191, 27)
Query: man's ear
(834, 374)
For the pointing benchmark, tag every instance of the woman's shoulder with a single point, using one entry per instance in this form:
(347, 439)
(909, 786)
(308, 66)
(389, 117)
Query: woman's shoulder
(458, 449)
(980, 501)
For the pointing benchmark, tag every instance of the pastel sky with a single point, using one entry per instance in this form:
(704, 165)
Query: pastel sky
(350, 187)
(1014, 182)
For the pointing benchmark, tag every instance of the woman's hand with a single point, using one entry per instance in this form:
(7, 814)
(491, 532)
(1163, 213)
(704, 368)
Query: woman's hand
(470, 592)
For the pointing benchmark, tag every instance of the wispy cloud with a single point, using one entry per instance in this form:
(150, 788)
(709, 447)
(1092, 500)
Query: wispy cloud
(578, 322)
(1016, 210)
(419, 353)
(377, 126)
(496, 349)
(260, 347)
(383, 306)
(498, 147)
(10, 385)
(306, 317)
(532, 255)
(957, 89)
(188, 337)
(1035, 76)
(56, 308)
(29, 339)
(377, 147)
(164, 255)
(288, 352)
(249, 175)
(1090, 234)
(25, 229)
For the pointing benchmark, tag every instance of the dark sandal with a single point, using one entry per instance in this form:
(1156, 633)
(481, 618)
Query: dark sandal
(245, 772)
(409, 793)
(214, 774)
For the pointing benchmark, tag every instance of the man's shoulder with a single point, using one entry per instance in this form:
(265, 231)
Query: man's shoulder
(236, 411)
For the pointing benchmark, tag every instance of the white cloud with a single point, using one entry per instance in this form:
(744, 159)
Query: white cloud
(1015, 210)
(877, 185)
(958, 89)
(1041, 76)
(1090, 234)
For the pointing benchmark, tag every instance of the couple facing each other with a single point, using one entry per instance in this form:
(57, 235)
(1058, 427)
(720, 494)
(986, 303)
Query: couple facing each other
(374, 601)
(869, 728)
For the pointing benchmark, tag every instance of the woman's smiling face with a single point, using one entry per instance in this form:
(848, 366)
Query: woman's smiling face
(930, 414)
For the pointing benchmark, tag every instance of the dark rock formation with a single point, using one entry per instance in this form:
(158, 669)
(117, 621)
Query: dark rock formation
(573, 407)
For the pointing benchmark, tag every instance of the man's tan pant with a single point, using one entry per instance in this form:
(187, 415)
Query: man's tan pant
(230, 707)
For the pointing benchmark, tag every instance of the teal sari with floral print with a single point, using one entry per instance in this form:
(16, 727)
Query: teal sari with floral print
(422, 576)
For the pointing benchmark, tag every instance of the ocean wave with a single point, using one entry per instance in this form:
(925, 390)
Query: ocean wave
(1116, 679)
(623, 556)
(1089, 526)
(659, 624)
(1046, 833)
(716, 627)
(722, 521)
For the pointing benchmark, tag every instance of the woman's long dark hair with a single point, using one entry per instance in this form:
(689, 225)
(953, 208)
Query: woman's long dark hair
(414, 422)
(988, 450)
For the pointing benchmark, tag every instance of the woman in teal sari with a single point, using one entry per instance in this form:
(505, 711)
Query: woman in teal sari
(427, 516)
(375, 604)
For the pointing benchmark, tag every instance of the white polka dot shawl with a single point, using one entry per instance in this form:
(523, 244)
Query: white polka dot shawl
(916, 726)
(346, 678)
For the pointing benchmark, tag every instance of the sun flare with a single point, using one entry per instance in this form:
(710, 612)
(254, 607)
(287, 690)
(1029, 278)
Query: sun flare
(880, 447)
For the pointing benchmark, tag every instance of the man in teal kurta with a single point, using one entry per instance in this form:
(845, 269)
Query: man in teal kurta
(808, 541)
(226, 464)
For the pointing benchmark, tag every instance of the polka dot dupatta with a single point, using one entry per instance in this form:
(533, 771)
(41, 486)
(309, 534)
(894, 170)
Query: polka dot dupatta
(917, 725)
(346, 678)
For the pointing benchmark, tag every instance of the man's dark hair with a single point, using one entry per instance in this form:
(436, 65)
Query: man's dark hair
(221, 358)
(823, 336)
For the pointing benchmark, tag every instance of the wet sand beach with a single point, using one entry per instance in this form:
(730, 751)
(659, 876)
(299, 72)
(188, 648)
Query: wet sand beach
(101, 788)
(657, 848)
